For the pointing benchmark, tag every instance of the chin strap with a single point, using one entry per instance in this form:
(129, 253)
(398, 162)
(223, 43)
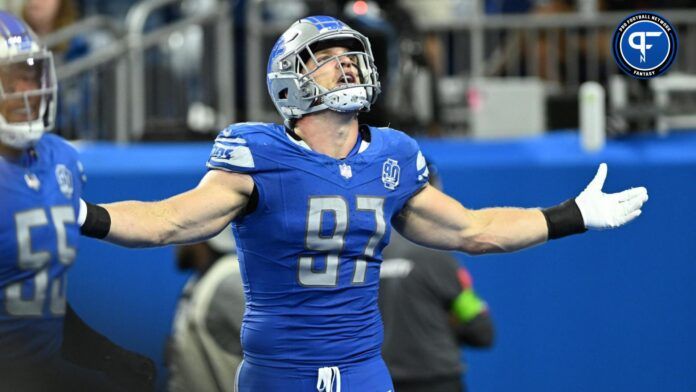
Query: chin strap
(20, 137)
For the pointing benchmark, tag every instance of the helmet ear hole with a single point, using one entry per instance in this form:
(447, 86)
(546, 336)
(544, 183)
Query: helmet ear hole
(283, 94)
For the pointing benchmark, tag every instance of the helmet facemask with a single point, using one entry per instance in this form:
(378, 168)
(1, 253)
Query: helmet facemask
(27, 98)
(351, 92)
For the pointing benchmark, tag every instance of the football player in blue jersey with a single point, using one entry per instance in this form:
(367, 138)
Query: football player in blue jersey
(313, 202)
(40, 186)
(40, 189)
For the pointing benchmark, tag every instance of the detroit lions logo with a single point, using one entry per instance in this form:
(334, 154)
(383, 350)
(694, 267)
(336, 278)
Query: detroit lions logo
(390, 174)
(65, 181)
(234, 155)
(277, 51)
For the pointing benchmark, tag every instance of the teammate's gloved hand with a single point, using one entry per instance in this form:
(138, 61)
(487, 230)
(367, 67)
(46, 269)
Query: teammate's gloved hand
(608, 210)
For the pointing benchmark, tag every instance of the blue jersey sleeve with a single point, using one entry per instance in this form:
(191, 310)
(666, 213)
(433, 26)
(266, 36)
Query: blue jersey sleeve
(415, 170)
(240, 148)
(406, 171)
(64, 154)
(421, 170)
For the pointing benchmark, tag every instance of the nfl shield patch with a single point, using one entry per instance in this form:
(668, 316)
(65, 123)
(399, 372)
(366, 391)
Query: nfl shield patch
(32, 181)
(346, 171)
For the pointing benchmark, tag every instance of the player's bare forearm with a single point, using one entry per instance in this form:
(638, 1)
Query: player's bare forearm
(504, 229)
(143, 224)
(191, 216)
(435, 220)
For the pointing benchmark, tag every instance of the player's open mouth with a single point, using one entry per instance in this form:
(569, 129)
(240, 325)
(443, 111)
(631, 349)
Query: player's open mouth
(347, 79)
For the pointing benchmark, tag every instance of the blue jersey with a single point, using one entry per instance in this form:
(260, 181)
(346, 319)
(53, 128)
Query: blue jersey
(38, 239)
(310, 252)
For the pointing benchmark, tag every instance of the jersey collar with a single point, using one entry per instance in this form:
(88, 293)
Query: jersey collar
(364, 138)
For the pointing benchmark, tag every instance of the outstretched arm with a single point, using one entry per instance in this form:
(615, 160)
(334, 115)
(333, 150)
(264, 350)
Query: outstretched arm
(191, 216)
(433, 219)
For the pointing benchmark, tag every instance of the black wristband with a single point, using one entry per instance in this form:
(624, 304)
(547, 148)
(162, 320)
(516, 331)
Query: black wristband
(564, 219)
(97, 223)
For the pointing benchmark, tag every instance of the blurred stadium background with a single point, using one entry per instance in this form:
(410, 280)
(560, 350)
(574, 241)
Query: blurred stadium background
(492, 90)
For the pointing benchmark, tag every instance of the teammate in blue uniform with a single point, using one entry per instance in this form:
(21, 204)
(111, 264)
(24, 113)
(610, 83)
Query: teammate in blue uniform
(41, 182)
(313, 202)
(39, 194)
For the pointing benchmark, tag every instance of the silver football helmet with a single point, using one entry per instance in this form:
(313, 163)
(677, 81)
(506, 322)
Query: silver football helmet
(291, 83)
(28, 85)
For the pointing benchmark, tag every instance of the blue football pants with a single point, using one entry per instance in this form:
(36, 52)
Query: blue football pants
(367, 376)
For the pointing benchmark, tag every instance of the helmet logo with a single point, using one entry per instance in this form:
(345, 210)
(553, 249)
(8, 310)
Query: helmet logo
(325, 23)
(278, 49)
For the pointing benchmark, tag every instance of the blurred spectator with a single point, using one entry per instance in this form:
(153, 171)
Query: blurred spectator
(12, 6)
(48, 16)
(562, 57)
(514, 55)
(429, 308)
(542, 47)
(204, 349)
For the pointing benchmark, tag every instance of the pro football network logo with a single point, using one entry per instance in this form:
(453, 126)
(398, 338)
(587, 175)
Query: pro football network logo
(645, 45)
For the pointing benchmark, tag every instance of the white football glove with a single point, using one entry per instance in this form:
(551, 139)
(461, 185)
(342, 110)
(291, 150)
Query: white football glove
(609, 210)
